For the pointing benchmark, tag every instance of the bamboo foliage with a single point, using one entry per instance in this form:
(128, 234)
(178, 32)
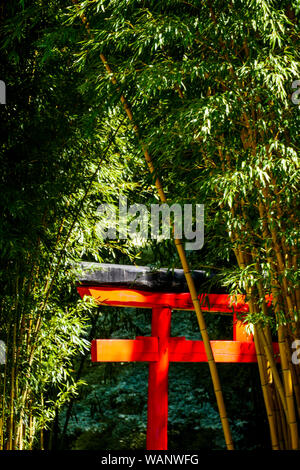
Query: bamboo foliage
(48, 199)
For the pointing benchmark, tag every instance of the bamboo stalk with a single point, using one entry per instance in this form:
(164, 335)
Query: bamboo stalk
(283, 423)
(278, 420)
(287, 379)
(266, 392)
(271, 360)
(10, 444)
(295, 382)
(19, 444)
(189, 280)
(3, 425)
(31, 427)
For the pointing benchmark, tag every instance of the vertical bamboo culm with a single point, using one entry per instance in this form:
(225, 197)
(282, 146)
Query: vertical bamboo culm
(266, 392)
(189, 279)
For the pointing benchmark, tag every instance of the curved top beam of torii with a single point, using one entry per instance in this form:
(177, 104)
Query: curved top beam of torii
(142, 277)
(144, 287)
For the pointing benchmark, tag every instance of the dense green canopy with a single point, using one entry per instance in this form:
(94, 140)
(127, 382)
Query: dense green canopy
(210, 88)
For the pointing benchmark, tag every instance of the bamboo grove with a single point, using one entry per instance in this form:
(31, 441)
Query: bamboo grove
(208, 88)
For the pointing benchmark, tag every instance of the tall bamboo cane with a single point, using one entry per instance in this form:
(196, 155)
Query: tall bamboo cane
(266, 392)
(189, 279)
(288, 387)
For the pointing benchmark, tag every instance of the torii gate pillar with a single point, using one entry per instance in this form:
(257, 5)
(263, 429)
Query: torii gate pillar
(158, 382)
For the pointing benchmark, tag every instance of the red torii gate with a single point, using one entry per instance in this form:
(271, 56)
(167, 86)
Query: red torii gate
(160, 349)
